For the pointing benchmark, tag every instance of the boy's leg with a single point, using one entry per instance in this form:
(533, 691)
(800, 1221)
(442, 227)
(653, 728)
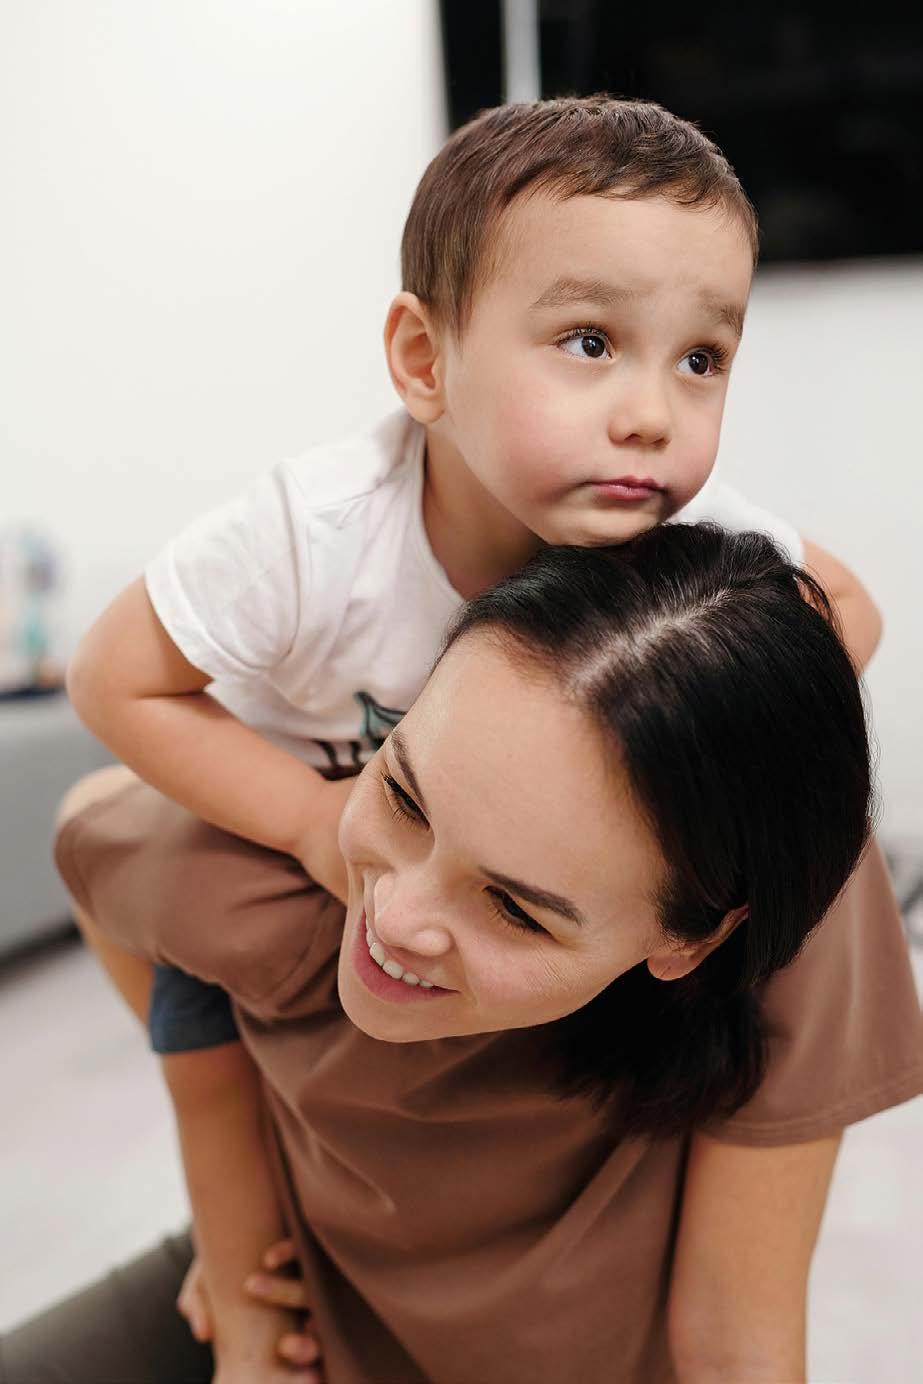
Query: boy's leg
(123, 1329)
(220, 1123)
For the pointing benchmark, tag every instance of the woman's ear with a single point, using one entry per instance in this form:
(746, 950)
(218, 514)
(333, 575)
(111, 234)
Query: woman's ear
(412, 348)
(673, 961)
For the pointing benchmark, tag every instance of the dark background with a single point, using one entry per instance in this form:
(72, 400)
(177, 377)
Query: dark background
(819, 106)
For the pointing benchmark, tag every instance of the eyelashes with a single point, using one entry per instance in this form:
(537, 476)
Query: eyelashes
(509, 912)
(403, 808)
(718, 355)
(402, 804)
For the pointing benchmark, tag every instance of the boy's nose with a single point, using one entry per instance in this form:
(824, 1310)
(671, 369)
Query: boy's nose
(639, 411)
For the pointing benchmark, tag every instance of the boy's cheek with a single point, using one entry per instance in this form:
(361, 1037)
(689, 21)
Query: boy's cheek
(693, 463)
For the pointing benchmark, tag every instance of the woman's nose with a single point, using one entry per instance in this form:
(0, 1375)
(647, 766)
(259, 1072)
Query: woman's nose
(410, 914)
(639, 409)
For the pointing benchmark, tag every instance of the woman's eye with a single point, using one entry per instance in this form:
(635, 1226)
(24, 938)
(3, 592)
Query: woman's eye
(509, 912)
(402, 804)
(705, 362)
(585, 344)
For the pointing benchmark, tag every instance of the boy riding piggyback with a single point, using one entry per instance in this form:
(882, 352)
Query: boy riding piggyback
(575, 279)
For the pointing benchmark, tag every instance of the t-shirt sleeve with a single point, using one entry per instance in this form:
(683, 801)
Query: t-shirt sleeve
(846, 1034)
(230, 588)
(722, 504)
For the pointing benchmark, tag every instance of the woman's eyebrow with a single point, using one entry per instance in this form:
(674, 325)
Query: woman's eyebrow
(541, 898)
(396, 741)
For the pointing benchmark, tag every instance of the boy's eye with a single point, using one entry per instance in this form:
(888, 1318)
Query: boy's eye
(706, 361)
(585, 343)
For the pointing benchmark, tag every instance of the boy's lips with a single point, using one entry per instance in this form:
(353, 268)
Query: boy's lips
(628, 488)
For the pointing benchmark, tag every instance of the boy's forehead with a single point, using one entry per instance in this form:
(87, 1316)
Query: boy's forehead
(617, 249)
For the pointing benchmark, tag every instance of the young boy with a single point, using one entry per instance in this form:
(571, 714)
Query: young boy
(575, 278)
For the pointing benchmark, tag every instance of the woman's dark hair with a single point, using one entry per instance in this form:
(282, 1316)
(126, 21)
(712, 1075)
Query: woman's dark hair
(712, 667)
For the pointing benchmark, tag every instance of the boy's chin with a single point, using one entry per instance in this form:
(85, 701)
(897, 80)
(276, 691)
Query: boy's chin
(597, 532)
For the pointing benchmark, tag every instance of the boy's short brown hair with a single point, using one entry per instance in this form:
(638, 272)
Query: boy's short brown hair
(567, 148)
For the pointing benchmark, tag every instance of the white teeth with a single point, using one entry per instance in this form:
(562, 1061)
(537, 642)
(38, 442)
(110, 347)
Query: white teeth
(392, 968)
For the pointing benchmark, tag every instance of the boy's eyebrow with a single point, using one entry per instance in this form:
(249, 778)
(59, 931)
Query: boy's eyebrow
(566, 292)
(541, 898)
(727, 314)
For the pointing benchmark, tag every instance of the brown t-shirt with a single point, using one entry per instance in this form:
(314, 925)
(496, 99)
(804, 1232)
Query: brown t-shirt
(457, 1222)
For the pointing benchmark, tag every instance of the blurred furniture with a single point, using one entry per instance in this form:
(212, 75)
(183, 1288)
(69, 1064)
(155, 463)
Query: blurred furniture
(43, 749)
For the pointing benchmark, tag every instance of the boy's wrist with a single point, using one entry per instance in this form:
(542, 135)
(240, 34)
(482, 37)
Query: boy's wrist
(305, 814)
(317, 843)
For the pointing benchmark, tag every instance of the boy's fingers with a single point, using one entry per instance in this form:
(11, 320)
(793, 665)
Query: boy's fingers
(280, 1292)
(195, 1317)
(192, 1302)
(282, 1252)
(300, 1348)
(198, 1326)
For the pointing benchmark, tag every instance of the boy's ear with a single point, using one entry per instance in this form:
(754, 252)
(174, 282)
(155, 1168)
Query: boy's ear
(412, 348)
(673, 961)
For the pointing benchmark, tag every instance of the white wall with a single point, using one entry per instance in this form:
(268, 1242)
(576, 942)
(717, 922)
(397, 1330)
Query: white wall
(202, 209)
(824, 425)
(203, 202)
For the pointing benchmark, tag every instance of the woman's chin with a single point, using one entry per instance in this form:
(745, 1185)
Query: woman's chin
(366, 1013)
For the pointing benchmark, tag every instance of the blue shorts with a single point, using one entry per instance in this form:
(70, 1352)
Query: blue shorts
(187, 1014)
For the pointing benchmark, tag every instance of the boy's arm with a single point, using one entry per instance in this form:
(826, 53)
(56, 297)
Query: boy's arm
(138, 693)
(859, 616)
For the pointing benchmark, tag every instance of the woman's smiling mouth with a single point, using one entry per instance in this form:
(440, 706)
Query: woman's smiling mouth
(392, 968)
(387, 978)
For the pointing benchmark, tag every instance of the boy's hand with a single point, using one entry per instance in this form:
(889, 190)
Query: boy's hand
(860, 619)
(318, 848)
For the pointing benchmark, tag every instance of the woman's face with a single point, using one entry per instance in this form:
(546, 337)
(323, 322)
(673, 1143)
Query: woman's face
(494, 850)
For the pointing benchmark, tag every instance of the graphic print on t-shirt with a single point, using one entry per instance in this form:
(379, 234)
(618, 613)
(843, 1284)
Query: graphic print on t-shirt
(377, 723)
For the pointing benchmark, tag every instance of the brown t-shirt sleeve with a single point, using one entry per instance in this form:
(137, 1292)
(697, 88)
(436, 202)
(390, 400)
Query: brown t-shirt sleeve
(846, 1034)
(170, 888)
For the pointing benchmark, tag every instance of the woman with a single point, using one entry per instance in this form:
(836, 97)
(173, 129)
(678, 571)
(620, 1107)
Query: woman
(551, 1101)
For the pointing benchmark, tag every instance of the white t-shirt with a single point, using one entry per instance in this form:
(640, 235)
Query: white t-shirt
(314, 600)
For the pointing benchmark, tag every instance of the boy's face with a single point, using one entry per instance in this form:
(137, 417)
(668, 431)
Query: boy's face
(586, 393)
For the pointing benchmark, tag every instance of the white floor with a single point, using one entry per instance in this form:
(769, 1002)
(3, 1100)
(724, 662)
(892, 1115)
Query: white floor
(89, 1174)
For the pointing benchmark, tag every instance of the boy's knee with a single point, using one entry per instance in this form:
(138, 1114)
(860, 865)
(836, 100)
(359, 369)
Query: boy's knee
(93, 788)
(204, 1080)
